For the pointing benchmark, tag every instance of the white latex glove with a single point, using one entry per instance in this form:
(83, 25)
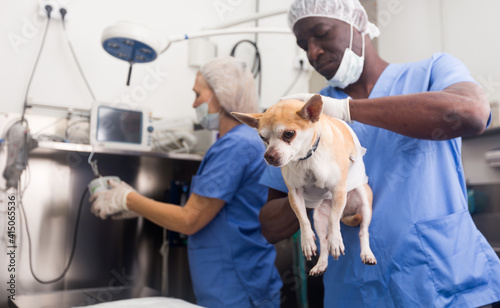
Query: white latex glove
(332, 107)
(111, 201)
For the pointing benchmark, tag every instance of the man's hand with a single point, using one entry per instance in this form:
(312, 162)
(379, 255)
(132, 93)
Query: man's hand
(332, 107)
(278, 221)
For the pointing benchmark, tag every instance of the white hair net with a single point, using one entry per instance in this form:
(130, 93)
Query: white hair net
(349, 11)
(232, 83)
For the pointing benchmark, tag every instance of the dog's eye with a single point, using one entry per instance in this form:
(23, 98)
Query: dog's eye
(263, 138)
(289, 134)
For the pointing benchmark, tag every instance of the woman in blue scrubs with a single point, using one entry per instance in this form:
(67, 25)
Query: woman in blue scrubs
(231, 263)
(410, 117)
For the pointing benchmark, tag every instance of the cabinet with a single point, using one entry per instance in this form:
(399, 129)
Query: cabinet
(58, 175)
(483, 183)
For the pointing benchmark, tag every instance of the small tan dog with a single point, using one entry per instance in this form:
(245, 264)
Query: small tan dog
(321, 161)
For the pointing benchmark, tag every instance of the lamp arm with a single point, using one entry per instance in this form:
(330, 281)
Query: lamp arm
(216, 32)
(252, 17)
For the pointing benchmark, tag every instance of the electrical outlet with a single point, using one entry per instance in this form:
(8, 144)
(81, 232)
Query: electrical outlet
(301, 60)
(56, 6)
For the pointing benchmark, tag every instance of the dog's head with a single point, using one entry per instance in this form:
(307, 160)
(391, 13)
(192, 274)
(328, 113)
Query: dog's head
(288, 128)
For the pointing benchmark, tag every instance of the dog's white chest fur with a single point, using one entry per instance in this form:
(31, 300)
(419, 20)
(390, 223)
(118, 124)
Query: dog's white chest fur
(316, 176)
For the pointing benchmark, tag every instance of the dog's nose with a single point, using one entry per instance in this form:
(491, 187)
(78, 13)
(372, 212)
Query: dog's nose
(271, 157)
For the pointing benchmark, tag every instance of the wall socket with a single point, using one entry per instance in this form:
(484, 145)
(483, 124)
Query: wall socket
(301, 57)
(56, 6)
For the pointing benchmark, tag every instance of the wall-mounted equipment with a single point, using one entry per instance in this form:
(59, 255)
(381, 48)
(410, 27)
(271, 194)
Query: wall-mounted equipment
(19, 143)
(119, 127)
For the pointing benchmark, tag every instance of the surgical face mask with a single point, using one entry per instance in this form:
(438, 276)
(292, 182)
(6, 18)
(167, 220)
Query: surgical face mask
(350, 68)
(207, 120)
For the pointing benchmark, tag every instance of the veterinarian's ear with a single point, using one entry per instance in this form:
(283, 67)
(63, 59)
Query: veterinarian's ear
(250, 119)
(312, 109)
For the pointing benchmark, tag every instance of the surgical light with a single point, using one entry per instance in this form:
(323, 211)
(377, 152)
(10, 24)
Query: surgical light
(130, 42)
(135, 43)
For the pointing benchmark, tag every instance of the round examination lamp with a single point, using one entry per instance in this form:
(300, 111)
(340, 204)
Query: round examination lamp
(131, 42)
(137, 44)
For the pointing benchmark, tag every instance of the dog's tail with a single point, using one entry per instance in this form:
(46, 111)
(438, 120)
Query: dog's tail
(352, 220)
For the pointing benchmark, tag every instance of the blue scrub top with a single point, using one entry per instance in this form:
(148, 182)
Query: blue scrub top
(231, 263)
(428, 249)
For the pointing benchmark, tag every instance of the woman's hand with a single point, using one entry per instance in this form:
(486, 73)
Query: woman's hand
(112, 201)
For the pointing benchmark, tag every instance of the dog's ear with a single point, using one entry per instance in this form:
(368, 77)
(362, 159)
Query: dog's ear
(250, 119)
(312, 109)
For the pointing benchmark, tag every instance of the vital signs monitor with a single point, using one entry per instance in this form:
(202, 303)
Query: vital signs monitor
(120, 127)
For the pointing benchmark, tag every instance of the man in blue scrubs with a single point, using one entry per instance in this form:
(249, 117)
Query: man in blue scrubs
(411, 118)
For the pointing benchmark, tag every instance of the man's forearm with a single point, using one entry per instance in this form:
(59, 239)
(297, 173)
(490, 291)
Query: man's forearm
(459, 110)
(278, 221)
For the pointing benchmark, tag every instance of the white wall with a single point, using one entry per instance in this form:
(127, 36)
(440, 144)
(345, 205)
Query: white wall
(410, 30)
(471, 33)
(164, 85)
(414, 30)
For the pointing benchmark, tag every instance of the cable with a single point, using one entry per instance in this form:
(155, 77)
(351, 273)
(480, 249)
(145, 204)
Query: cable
(301, 69)
(259, 85)
(48, 8)
(27, 175)
(180, 145)
(256, 66)
(75, 236)
(68, 135)
(39, 132)
(63, 13)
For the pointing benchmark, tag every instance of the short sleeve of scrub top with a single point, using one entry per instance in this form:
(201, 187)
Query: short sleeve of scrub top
(223, 169)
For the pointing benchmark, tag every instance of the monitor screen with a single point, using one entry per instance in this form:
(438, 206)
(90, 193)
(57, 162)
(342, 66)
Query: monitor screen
(119, 125)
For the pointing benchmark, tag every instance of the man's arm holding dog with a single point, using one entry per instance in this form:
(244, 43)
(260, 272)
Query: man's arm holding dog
(277, 218)
(461, 109)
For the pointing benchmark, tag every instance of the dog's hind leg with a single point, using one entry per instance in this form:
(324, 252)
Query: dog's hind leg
(365, 194)
(320, 216)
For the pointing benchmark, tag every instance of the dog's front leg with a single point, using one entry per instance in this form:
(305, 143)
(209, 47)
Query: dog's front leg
(307, 238)
(335, 243)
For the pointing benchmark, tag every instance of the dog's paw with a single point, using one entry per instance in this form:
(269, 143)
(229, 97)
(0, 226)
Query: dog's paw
(308, 241)
(368, 258)
(336, 247)
(319, 268)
